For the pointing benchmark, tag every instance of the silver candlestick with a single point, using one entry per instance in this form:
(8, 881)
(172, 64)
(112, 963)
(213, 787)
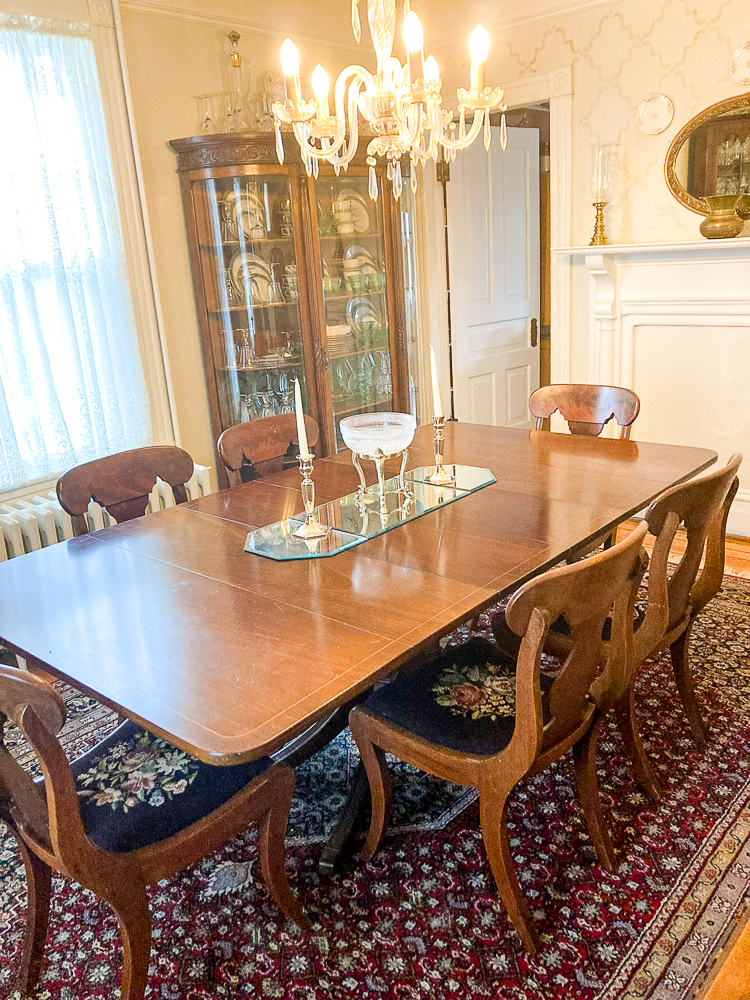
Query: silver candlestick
(439, 477)
(311, 528)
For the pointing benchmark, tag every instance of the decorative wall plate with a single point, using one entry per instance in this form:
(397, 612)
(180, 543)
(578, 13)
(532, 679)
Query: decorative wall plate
(739, 65)
(655, 114)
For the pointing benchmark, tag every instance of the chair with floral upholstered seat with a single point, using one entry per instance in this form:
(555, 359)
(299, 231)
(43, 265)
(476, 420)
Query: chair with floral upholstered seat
(489, 722)
(132, 811)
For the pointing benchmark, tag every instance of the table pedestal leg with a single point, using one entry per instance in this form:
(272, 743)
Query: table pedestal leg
(359, 795)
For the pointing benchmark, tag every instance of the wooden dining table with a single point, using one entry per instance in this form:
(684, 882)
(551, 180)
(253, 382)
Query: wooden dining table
(230, 655)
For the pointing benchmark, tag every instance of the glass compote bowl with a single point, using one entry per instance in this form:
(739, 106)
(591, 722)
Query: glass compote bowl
(378, 436)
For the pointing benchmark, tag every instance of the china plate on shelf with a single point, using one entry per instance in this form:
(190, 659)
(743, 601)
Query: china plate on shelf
(249, 211)
(361, 258)
(355, 203)
(655, 114)
(258, 274)
(739, 65)
(362, 310)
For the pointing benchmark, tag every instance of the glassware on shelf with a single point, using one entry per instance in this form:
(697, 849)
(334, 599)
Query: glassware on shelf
(248, 411)
(232, 118)
(207, 125)
(285, 392)
(383, 382)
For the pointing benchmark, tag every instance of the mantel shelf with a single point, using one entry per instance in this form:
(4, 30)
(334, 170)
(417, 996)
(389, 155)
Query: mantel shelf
(739, 246)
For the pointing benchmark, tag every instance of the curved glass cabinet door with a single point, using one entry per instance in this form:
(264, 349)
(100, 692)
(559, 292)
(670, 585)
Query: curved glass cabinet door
(354, 276)
(248, 244)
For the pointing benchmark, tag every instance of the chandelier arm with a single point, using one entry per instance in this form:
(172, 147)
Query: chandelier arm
(471, 135)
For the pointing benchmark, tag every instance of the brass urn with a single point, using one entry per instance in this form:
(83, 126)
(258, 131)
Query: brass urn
(722, 222)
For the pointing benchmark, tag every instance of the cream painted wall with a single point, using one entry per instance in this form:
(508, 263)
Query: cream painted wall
(171, 56)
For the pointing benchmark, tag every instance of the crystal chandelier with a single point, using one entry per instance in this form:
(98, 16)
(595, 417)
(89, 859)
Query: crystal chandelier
(402, 105)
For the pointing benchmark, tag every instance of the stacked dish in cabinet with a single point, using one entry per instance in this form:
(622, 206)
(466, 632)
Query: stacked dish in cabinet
(249, 259)
(352, 250)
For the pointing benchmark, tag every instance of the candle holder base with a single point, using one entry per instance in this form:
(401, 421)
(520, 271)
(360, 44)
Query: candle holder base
(311, 526)
(311, 529)
(440, 477)
(599, 239)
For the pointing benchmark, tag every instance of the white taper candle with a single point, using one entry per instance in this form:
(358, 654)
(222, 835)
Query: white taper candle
(304, 451)
(437, 405)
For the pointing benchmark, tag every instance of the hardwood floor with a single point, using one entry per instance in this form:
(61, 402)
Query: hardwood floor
(738, 549)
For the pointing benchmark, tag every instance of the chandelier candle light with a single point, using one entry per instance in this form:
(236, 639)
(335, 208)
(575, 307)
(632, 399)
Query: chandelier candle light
(439, 477)
(311, 526)
(402, 105)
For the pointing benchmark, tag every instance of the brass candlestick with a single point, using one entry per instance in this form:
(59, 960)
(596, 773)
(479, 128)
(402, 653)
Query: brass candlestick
(439, 477)
(599, 238)
(311, 528)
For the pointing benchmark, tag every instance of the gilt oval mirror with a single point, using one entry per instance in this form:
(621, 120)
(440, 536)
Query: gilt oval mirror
(711, 154)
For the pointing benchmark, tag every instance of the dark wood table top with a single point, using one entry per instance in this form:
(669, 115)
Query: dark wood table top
(228, 654)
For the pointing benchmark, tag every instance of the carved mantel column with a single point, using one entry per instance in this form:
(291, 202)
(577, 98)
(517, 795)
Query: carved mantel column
(602, 347)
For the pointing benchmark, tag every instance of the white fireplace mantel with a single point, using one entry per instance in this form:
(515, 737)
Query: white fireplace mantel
(672, 322)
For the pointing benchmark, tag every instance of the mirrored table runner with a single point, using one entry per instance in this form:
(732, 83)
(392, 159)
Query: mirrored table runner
(355, 518)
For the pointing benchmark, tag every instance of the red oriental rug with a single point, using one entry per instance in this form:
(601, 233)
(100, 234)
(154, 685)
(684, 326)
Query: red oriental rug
(422, 920)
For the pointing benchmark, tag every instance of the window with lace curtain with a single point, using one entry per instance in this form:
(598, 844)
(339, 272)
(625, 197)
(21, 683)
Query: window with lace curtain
(72, 386)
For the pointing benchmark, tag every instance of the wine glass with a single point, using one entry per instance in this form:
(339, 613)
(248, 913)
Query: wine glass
(285, 392)
(207, 125)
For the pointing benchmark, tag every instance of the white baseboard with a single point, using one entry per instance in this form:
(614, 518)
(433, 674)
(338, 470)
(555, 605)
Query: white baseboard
(739, 515)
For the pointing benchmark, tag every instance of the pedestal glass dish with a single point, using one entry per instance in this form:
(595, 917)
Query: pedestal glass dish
(378, 436)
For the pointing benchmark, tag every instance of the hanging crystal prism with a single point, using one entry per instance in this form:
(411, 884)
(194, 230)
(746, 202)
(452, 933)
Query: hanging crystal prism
(398, 184)
(279, 143)
(413, 178)
(373, 184)
(503, 132)
(487, 132)
(315, 165)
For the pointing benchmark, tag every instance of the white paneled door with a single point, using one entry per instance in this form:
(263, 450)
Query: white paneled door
(493, 245)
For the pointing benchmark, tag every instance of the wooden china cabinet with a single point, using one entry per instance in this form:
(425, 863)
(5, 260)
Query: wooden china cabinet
(294, 276)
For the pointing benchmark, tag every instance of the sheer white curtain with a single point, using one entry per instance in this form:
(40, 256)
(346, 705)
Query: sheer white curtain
(71, 378)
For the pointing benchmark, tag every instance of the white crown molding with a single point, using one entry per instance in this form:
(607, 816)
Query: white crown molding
(177, 13)
(559, 10)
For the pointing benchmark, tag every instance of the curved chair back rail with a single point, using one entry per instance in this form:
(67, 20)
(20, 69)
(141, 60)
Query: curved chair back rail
(702, 506)
(122, 483)
(586, 408)
(263, 442)
(549, 717)
(60, 826)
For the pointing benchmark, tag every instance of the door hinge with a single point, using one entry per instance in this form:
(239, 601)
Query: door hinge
(534, 332)
(443, 171)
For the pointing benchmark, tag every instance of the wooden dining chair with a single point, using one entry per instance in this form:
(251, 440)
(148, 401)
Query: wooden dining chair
(586, 408)
(122, 483)
(702, 507)
(132, 811)
(672, 606)
(483, 720)
(258, 448)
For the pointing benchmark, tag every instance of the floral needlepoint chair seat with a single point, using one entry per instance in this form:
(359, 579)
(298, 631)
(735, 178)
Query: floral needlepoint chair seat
(465, 698)
(135, 789)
